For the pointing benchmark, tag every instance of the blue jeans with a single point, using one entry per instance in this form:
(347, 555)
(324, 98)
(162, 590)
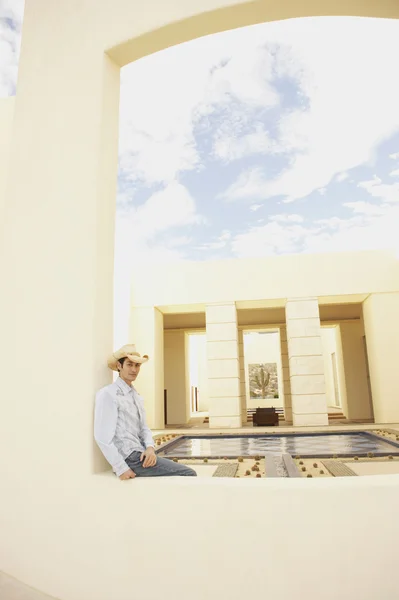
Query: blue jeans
(163, 468)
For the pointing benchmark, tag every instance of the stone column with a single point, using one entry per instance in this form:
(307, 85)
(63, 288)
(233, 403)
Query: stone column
(286, 383)
(306, 363)
(223, 366)
(243, 392)
(146, 332)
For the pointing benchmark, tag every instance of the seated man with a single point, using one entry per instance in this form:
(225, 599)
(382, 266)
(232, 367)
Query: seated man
(120, 427)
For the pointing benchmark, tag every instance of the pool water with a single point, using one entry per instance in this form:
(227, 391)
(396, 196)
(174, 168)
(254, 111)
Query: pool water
(319, 445)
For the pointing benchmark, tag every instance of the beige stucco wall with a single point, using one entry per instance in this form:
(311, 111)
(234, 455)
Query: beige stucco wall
(355, 371)
(296, 276)
(147, 331)
(63, 172)
(6, 122)
(175, 374)
(107, 535)
(263, 349)
(381, 324)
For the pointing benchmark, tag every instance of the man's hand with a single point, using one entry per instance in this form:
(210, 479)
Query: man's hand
(149, 457)
(129, 474)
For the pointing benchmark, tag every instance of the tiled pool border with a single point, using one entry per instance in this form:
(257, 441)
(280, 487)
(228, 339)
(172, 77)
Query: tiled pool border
(371, 434)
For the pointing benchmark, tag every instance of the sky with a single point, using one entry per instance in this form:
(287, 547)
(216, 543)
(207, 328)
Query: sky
(280, 138)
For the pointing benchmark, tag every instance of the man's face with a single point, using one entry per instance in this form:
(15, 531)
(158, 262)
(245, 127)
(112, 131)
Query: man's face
(129, 370)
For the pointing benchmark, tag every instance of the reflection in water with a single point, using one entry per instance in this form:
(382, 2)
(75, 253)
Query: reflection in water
(316, 445)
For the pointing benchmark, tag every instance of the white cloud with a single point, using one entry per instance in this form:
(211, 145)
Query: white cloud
(347, 116)
(287, 218)
(251, 184)
(382, 191)
(255, 207)
(266, 240)
(342, 176)
(220, 242)
(364, 233)
(395, 172)
(179, 241)
(12, 9)
(372, 226)
(11, 15)
(164, 97)
(226, 235)
(365, 208)
(229, 146)
(246, 74)
(367, 230)
(172, 207)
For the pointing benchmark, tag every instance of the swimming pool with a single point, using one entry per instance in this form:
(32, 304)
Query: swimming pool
(321, 445)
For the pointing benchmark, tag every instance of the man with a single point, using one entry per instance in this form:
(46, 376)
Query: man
(120, 427)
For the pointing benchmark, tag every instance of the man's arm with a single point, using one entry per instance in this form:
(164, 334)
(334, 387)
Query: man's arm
(145, 433)
(149, 457)
(105, 419)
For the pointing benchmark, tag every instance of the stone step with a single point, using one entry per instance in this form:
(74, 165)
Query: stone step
(331, 417)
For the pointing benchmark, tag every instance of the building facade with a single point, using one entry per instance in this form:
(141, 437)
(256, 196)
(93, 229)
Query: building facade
(336, 317)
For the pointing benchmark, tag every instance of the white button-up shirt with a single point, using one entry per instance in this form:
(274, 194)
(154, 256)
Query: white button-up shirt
(120, 426)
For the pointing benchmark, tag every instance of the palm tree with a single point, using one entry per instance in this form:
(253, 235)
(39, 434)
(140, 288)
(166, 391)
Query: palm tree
(261, 381)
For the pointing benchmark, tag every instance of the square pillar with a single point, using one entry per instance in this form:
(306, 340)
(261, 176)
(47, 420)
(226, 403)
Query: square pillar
(243, 392)
(56, 297)
(146, 332)
(381, 324)
(223, 366)
(306, 363)
(286, 383)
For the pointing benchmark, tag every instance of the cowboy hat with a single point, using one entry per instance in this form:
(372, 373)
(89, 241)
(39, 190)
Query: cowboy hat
(128, 351)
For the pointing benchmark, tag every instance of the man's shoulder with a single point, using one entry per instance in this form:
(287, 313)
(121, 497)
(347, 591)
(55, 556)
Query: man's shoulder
(107, 390)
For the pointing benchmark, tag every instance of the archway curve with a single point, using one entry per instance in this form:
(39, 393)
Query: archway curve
(216, 16)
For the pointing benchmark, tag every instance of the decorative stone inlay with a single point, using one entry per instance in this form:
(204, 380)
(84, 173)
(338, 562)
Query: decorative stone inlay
(226, 470)
(338, 469)
(291, 468)
(275, 466)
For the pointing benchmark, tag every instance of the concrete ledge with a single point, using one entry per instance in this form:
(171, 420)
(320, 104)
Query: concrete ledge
(205, 514)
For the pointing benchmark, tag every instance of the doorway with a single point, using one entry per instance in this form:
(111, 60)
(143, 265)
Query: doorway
(263, 369)
(332, 373)
(366, 357)
(198, 377)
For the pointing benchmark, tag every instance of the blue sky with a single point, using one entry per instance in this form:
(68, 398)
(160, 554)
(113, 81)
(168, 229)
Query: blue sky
(274, 139)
